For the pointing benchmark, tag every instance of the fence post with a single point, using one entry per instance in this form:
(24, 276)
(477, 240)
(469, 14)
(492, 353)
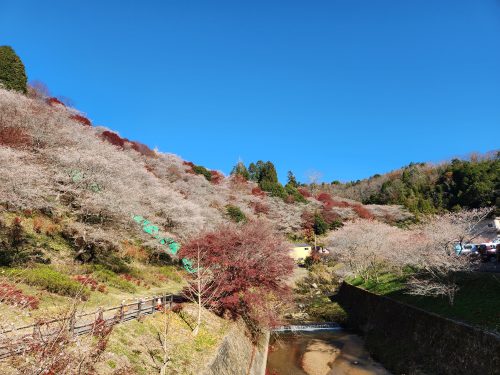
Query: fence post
(35, 327)
(122, 313)
(139, 307)
(100, 317)
(72, 319)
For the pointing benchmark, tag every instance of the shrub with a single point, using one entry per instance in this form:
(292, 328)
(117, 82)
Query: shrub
(16, 248)
(90, 282)
(324, 197)
(143, 149)
(260, 208)
(14, 137)
(133, 279)
(97, 251)
(198, 169)
(136, 252)
(304, 192)
(257, 191)
(113, 138)
(334, 203)
(362, 212)
(10, 295)
(159, 257)
(12, 73)
(235, 213)
(217, 177)
(294, 193)
(51, 280)
(307, 220)
(335, 224)
(238, 181)
(274, 188)
(54, 102)
(81, 119)
(37, 225)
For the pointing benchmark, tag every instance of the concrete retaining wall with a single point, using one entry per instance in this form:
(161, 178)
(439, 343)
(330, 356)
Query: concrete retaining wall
(408, 340)
(238, 356)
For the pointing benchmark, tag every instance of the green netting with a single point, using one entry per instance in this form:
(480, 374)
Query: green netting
(173, 246)
(188, 265)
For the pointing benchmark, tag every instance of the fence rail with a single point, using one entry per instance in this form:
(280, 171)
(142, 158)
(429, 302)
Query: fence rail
(13, 340)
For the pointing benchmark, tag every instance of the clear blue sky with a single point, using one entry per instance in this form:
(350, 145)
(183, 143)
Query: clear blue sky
(347, 88)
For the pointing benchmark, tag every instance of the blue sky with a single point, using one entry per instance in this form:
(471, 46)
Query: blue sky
(347, 88)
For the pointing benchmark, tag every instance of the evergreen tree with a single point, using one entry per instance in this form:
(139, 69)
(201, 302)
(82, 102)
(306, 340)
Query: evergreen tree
(12, 73)
(268, 173)
(292, 181)
(253, 173)
(320, 226)
(240, 170)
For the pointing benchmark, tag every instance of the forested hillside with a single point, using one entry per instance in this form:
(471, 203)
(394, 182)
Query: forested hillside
(426, 188)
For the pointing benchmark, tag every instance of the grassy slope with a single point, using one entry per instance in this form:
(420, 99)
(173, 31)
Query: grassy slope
(154, 280)
(477, 302)
(132, 343)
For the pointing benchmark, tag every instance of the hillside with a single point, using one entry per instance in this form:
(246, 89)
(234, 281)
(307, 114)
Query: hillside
(53, 162)
(428, 188)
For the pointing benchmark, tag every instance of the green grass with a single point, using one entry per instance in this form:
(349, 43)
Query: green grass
(477, 302)
(112, 279)
(387, 283)
(47, 278)
(172, 273)
(322, 309)
(137, 340)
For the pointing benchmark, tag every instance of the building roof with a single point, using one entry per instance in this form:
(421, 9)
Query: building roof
(301, 245)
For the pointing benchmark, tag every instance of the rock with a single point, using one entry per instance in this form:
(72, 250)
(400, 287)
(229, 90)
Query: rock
(318, 357)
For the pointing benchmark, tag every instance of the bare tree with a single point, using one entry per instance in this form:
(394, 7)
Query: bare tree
(53, 349)
(202, 288)
(367, 248)
(313, 178)
(432, 252)
(161, 362)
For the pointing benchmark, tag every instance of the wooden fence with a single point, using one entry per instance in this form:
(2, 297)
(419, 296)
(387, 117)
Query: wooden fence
(14, 340)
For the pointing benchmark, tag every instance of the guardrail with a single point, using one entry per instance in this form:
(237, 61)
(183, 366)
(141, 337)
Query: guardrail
(13, 340)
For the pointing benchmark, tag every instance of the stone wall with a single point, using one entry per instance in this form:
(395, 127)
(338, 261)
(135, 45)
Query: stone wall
(408, 340)
(238, 356)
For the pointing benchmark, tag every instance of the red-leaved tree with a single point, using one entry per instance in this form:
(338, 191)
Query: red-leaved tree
(244, 258)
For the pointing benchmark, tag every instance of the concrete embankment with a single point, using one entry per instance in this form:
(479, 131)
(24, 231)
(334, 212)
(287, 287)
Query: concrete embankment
(408, 340)
(237, 355)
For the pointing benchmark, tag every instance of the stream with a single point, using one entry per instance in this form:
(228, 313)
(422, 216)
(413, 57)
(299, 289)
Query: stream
(319, 350)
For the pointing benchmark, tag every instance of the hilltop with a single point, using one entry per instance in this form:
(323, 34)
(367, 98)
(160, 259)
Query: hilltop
(427, 188)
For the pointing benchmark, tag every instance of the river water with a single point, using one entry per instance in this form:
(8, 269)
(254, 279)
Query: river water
(330, 351)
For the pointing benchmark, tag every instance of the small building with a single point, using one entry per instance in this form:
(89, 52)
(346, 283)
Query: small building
(300, 251)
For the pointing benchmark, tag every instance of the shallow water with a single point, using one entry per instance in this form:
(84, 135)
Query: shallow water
(323, 352)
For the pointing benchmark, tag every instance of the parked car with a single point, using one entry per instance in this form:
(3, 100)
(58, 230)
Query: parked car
(466, 249)
(487, 250)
